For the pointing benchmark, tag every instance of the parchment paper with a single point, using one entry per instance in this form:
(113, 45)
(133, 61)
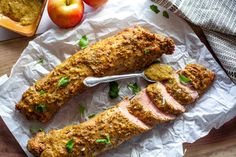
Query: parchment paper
(213, 109)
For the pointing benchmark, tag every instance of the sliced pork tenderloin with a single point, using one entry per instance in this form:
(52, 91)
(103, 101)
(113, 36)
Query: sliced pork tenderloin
(103, 132)
(163, 100)
(142, 107)
(123, 121)
(180, 92)
(200, 77)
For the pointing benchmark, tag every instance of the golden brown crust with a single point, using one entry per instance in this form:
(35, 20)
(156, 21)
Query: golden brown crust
(145, 114)
(201, 77)
(155, 94)
(110, 122)
(124, 52)
(183, 95)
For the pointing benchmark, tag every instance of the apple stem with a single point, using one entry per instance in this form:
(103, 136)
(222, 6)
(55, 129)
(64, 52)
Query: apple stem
(67, 2)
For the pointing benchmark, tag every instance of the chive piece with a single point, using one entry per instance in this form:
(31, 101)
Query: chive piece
(101, 140)
(70, 145)
(134, 87)
(154, 8)
(146, 51)
(114, 90)
(165, 14)
(104, 140)
(41, 108)
(41, 92)
(64, 81)
(91, 115)
(83, 42)
(184, 79)
(81, 109)
(108, 139)
(40, 61)
(36, 130)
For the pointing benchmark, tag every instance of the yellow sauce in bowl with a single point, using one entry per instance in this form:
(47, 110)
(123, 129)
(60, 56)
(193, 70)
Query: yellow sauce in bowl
(23, 11)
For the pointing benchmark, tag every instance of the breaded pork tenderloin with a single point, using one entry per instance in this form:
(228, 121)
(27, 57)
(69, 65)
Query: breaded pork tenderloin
(200, 77)
(130, 50)
(103, 132)
(142, 107)
(163, 100)
(181, 93)
(111, 127)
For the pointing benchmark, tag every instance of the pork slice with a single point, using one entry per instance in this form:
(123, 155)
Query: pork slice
(123, 106)
(201, 77)
(142, 107)
(180, 92)
(163, 100)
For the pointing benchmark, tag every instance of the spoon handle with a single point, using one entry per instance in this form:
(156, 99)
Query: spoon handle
(93, 81)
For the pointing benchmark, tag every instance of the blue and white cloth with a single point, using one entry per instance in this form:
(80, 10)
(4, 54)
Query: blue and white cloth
(217, 18)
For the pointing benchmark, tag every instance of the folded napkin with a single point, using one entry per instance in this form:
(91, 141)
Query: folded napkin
(217, 18)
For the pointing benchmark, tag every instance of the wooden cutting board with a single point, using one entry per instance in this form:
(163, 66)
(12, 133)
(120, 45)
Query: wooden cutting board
(219, 143)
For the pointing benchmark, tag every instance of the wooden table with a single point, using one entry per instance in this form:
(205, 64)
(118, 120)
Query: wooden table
(218, 143)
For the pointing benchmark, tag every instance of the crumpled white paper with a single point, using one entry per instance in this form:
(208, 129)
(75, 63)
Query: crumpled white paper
(213, 109)
(3, 79)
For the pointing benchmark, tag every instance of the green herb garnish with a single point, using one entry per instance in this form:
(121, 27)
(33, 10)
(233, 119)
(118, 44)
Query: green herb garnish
(134, 87)
(114, 90)
(70, 145)
(184, 79)
(104, 140)
(41, 108)
(41, 92)
(81, 109)
(36, 130)
(91, 115)
(84, 42)
(146, 51)
(156, 61)
(154, 8)
(64, 81)
(40, 61)
(165, 14)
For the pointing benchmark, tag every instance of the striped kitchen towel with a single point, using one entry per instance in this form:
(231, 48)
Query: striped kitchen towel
(217, 18)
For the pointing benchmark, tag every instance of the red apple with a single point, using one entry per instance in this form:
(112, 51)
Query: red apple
(66, 13)
(95, 3)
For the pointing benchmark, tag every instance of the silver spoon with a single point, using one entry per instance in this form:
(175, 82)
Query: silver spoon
(93, 81)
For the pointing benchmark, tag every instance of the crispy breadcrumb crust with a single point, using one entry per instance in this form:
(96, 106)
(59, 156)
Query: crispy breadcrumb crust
(129, 50)
(201, 77)
(110, 122)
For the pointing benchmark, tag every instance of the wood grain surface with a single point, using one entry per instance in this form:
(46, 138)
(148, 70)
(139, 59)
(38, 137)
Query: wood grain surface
(219, 143)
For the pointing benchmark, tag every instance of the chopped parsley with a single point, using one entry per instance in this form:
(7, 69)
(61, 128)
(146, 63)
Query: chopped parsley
(91, 115)
(134, 87)
(114, 90)
(104, 140)
(156, 61)
(36, 130)
(184, 79)
(40, 61)
(41, 92)
(64, 81)
(154, 8)
(41, 108)
(70, 145)
(165, 14)
(81, 109)
(146, 51)
(83, 42)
